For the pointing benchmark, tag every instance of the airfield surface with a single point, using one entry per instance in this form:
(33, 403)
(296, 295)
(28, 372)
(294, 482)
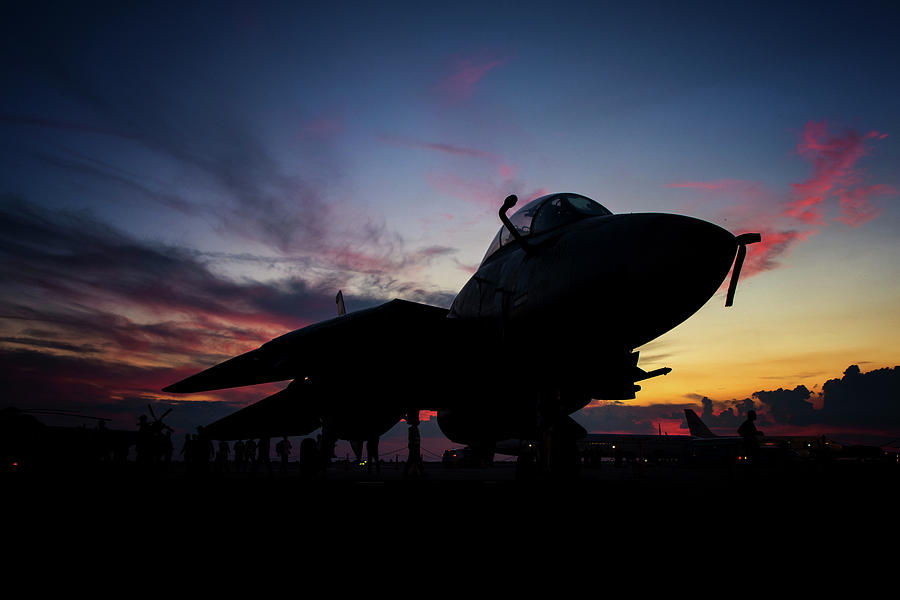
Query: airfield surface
(636, 482)
(484, 510)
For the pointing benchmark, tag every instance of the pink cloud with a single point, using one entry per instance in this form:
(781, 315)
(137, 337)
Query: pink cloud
(349, 259)
(835, 174)
(504, 170)
(750, 206)
(856, 204)
(764, 255)
(467, 268)
(745, 206)
(438, 147)
(459, 84)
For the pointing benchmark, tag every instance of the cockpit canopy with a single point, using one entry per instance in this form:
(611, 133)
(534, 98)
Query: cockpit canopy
(547, 213)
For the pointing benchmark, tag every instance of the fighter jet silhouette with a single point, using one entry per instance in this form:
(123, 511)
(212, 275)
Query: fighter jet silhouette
(550, 320)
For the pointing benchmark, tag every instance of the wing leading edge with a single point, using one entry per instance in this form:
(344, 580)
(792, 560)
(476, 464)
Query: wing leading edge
(377, 333)
(282, 413)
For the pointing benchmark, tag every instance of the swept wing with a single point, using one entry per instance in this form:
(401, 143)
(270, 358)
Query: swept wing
(395, 333)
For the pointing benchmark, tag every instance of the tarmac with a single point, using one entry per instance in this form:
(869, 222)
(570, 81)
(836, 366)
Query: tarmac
(848, 481)
(631, 505)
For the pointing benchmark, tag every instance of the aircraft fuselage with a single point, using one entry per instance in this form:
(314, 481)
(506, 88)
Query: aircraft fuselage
(565, 293)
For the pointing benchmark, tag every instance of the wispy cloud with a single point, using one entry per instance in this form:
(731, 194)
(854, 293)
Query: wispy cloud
(438, 147)
(858, 206)
(262, 204)
(465, 72)
(498, 164)
(486, 191)
(768, 253)
(788, 218)
(94, 320)
(836, 173)
(224, 172)
(79, 292)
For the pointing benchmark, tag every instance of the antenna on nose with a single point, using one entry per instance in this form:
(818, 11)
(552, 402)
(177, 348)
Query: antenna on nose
(743, 240)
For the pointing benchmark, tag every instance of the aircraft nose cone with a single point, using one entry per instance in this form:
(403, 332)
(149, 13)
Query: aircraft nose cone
(651, 271)
(676, 247)
(676, 264)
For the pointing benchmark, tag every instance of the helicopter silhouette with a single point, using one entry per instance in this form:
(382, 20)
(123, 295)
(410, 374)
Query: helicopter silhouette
(153, 444)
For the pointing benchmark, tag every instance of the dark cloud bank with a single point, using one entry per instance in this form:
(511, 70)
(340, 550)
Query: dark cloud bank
(856, 407)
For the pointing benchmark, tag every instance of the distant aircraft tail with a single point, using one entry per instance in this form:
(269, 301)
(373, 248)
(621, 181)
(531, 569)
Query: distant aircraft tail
(697, 427)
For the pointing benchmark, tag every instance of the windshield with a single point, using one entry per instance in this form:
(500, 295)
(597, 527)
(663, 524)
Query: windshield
(547, 213)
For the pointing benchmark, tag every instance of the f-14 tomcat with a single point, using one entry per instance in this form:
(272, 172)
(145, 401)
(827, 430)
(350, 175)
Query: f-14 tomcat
(550, 320)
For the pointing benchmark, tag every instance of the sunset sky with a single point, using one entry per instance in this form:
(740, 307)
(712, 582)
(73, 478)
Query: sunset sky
(179, 184)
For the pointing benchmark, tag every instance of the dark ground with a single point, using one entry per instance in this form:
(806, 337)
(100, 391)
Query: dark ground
(454, 520)
(650, 486)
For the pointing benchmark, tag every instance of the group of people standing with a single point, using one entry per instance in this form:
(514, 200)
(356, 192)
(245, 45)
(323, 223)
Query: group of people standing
(244, 457)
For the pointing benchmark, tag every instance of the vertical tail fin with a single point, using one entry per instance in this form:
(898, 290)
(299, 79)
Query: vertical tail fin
(339, 299)
(697, 427)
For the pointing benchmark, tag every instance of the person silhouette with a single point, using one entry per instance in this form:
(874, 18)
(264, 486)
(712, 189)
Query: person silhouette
(144, 441)
(414, 466)
(372, 452)
(283, 450)
(750, 434)
(262, 451)
(168, 447)
(222, 457)
(357, 447)
(250, 455)
(204, 450)
(239, 456)
(187, 453)
(102, 442)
